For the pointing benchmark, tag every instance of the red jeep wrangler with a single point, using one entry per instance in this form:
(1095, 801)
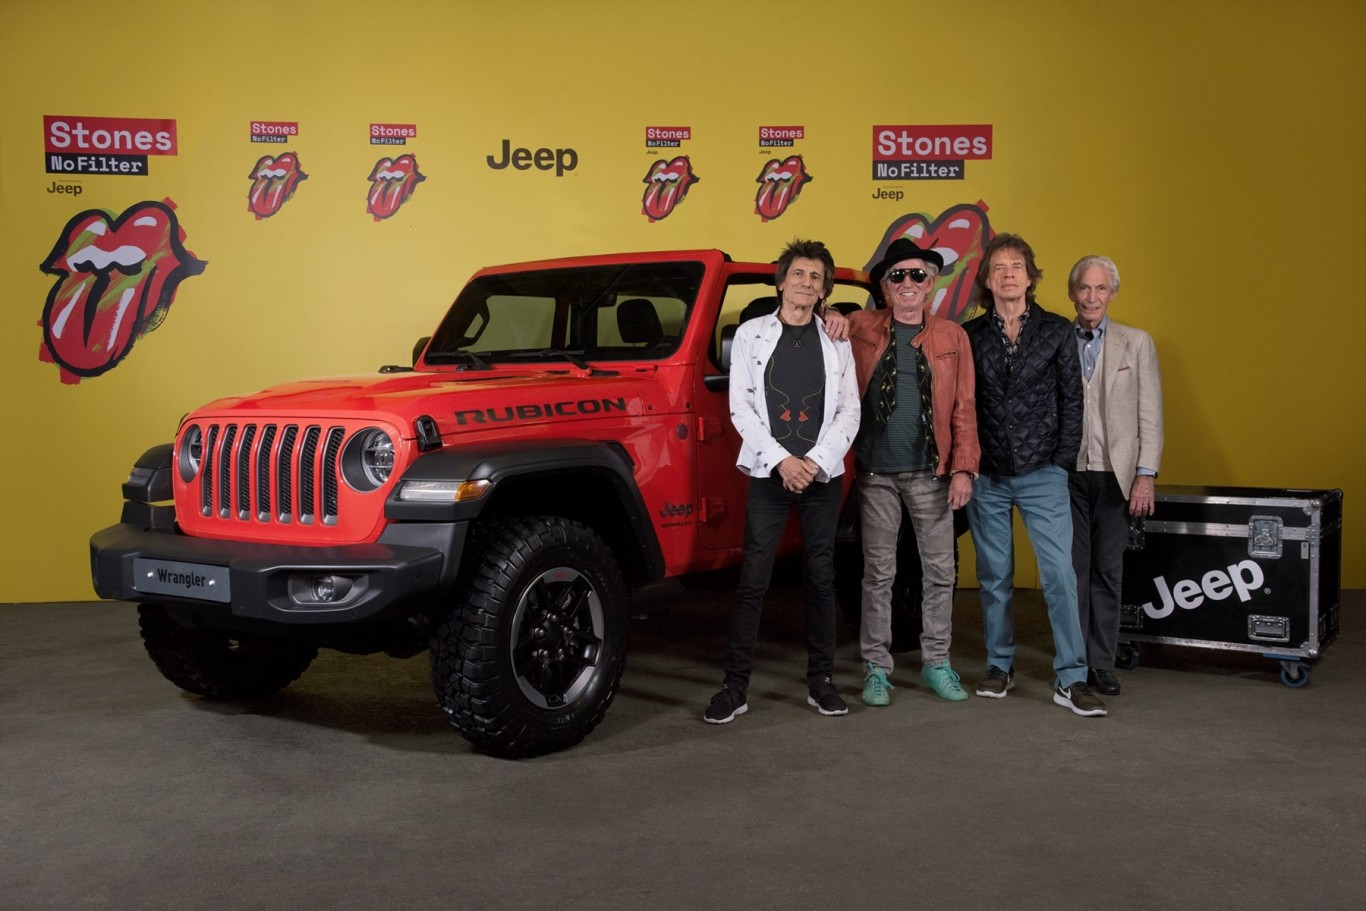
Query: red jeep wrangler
(564, 436)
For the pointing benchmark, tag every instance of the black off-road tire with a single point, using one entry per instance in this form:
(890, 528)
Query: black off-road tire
(529, 657)
(217, 664)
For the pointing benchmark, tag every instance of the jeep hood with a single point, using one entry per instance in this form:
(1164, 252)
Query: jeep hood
(499, 395)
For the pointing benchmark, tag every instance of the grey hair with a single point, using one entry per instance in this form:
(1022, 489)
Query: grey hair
(1088, 262)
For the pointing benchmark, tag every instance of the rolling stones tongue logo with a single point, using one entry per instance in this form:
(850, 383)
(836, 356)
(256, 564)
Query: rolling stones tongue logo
(666, 183)
(780, 182)
(959, 235)
(116, 279)
(273, 181)
(392, 182)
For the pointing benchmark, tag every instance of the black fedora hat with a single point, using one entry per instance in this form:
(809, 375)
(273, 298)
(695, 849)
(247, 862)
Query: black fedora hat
(904, 248)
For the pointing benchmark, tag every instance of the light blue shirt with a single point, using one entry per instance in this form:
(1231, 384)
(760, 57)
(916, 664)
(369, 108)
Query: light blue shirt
(1089, 351)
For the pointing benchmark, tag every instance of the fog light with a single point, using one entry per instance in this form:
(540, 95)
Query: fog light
(330, 589)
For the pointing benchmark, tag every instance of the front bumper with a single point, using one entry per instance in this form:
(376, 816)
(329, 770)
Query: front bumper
(388, 579)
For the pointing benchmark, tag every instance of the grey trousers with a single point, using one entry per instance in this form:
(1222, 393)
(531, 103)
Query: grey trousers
(927, 501)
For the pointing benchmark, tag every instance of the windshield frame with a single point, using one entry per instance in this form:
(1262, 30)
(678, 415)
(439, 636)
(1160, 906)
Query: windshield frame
(635, 311)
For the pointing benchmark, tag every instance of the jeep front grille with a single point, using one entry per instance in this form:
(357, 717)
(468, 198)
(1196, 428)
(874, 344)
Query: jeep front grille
(246, 476)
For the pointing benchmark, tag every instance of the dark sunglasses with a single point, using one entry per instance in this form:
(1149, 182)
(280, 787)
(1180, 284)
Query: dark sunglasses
(897, 276)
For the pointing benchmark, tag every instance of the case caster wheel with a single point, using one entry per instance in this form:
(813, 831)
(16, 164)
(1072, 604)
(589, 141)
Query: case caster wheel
(1294, 675)
(1126, 657)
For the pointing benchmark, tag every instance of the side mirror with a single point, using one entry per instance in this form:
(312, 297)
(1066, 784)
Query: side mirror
(417, 354)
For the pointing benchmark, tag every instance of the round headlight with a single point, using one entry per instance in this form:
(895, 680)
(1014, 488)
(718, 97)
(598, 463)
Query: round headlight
(377, 457)
(191, 452)
(369, 459)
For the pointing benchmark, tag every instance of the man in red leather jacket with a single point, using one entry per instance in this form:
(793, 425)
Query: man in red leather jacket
(917, 445)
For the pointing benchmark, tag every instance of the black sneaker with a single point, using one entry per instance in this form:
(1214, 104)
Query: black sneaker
(1106, 684)
(725, 705)
(826, 699)
(996, 683)
(1079, 698)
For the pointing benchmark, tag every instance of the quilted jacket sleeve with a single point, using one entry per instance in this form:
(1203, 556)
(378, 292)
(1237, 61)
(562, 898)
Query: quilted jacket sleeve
(1071, 403)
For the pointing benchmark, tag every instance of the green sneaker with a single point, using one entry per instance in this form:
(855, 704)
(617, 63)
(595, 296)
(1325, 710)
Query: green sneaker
(876, 689)
(944, 680)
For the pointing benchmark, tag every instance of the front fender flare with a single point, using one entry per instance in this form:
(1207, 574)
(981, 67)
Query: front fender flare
(502, 462)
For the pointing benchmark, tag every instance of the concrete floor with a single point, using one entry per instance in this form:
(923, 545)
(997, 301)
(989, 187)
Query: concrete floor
(1210, 785)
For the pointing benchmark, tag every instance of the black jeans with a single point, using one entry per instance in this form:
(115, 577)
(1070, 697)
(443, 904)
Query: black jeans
(766, 516)
(1100, 530)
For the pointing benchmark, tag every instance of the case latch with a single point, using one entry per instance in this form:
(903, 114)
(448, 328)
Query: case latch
(1264, 536)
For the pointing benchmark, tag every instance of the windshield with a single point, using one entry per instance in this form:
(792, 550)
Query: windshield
(630, 312)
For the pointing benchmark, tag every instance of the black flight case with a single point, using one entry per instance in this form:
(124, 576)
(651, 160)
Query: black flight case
(1238, 568)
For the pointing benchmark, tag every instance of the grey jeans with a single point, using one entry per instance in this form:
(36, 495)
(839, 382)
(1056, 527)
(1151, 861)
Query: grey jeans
(927, 501)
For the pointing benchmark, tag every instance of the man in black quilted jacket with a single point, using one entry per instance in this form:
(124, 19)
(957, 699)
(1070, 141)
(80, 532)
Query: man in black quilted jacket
(1029, 422)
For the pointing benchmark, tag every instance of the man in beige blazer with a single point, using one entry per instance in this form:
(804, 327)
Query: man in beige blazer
(1121, 451)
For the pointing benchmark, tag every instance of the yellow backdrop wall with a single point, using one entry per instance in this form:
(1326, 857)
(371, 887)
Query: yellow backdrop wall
(1214, 149)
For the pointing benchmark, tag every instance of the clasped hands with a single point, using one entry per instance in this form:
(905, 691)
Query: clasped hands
(797, 473)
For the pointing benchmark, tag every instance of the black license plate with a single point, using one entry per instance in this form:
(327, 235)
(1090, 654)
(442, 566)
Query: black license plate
(184, 580)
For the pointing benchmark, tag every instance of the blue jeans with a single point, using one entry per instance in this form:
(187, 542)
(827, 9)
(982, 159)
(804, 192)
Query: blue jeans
(1045, 505)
